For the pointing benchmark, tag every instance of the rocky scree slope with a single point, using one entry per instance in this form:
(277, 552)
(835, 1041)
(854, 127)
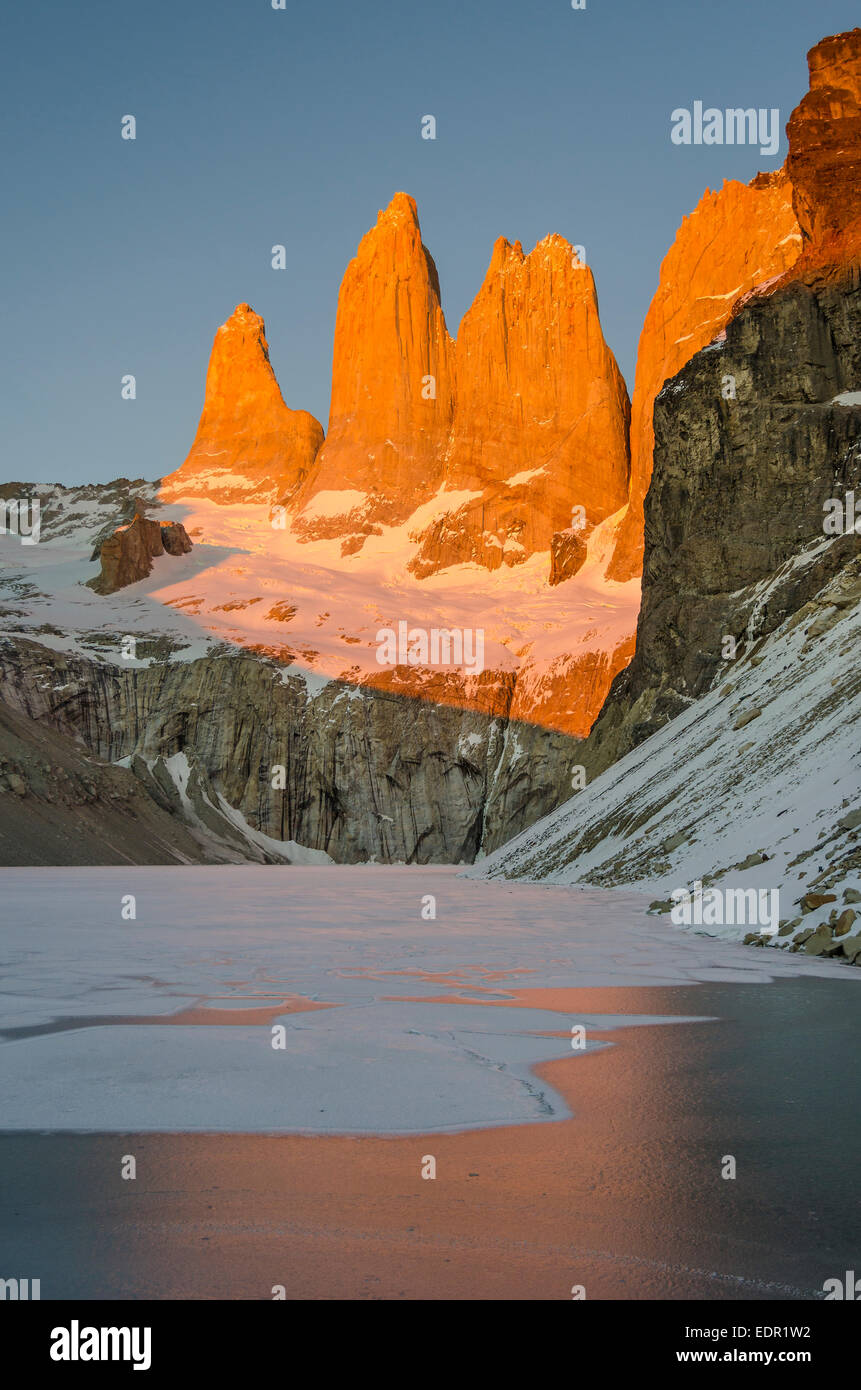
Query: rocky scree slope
(61, 805)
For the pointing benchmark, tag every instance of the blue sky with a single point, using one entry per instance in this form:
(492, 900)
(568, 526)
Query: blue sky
(257, 127)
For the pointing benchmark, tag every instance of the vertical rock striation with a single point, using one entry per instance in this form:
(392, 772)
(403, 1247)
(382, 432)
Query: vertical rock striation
(392, 386)
(541, 413)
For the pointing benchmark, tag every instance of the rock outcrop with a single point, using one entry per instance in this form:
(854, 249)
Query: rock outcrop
(567, 553)
(127, 554)
(737, 494)
(824, 159)
(392, 386)
(735, 239)
(747, 238)
(175, 538)
(541, 415)
(249, 446)
(726, 750)
(568, 693)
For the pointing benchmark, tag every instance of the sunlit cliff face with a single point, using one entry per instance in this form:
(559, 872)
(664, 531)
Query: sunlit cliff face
(459, 477)
(249, 446)
(434, 501)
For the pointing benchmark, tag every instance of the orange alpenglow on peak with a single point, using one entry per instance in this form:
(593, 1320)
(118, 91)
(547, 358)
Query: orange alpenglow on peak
(824, 160)
(532, 364)
(249, 446)
(392, 386)
(541, 416)
(527, 410)
(733, 241)
(804, 218)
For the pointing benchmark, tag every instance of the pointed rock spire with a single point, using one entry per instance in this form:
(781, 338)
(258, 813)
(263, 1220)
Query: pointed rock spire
(249, 445)
(541, 418)
(392, 381)
(824, 133)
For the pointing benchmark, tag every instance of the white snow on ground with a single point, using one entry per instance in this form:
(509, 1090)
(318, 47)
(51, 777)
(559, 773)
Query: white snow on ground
(848, 398)
(250, 583)
(334, 503)
(282, 851)
(241, 938)
(291, 850)
(780, 784)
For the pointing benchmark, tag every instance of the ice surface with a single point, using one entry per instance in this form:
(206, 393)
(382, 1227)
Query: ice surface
(425, 1031)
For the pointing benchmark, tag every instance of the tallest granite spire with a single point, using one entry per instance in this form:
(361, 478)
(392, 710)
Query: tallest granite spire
(392, 381)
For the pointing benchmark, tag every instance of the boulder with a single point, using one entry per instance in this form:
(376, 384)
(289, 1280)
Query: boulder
(811, 901)
(567, 553)
(746, 718)
(818, 942)
(127, 554)
(844, 922)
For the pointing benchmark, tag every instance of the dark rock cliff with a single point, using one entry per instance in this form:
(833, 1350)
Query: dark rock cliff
(751, 440)
(367, 774)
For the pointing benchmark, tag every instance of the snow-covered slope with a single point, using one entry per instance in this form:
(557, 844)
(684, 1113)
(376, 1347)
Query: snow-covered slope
(756, 785)
(256, 652)
(251, 584)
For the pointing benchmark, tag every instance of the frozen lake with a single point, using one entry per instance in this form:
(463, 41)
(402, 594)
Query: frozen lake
(393, 1021)
(407, 1037)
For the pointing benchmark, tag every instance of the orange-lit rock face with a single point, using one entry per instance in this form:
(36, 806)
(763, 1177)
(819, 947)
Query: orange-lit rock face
(541, 412)
(249, 445)
(392, 385)
(824, 133)
(528, 412)
(568, 694)
(733, 241)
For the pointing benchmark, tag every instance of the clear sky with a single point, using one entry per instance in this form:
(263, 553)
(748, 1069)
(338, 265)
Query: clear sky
(258, 126)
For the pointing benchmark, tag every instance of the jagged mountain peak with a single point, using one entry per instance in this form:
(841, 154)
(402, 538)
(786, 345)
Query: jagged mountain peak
(824, 160)
(401, 208)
